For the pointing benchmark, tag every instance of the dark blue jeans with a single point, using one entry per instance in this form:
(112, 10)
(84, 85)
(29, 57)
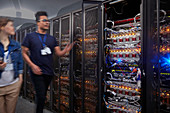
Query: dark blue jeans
(41, 84)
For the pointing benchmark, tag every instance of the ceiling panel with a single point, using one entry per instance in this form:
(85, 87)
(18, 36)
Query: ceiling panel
(51, 6)
(6, 4)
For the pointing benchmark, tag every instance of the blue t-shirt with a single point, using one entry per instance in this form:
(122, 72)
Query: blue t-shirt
(45, 62)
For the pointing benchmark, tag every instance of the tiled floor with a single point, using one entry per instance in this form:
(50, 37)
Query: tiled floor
(24, 106)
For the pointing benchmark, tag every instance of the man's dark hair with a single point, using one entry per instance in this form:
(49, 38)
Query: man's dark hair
(40, 13)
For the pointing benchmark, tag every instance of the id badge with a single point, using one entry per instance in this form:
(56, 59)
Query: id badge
(48, 50)
(43, 52)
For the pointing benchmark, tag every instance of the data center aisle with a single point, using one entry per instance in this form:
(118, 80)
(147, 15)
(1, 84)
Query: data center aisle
(25, 106)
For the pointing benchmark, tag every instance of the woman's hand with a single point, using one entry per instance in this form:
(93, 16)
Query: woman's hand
(20, 78)
(2, 66)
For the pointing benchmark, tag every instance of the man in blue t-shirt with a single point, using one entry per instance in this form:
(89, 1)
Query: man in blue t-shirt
(41, 47)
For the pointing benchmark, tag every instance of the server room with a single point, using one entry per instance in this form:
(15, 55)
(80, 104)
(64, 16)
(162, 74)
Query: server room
(84, 56)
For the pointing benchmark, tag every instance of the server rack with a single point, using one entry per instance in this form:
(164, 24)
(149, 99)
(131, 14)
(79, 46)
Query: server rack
(122, 71)
(62, 82)
(65, 66)
(155, 56)
(56, 83)
(85, 75)
(90, 60)
(163, 36)
(77, 61)
(27, 88)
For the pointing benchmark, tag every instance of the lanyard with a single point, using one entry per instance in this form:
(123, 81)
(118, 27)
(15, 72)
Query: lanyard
(9, 49)
(44, 40)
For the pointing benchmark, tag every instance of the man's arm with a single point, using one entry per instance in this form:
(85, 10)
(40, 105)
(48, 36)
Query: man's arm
(60, 52)
(36, 70)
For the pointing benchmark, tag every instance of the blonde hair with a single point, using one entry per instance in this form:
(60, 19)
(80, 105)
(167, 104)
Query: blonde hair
(4, 21)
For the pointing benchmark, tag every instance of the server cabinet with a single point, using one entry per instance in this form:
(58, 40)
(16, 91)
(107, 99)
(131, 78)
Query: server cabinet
(77, 61)
(27, 87)
(90, 60)
(150, 49)
(61, 83)
(155, 48)
(65, 66)
(163, 53)
(56, 83)
(122, 51)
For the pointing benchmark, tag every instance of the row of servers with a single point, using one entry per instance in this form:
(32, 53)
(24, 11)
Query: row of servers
(68, 68)
(119, 63)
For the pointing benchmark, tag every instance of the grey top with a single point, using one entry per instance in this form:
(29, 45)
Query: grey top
(7, 77)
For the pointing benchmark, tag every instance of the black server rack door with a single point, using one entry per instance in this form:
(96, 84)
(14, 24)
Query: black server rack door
(164, 55)
(90, 63)
(55, 90)
(65, 66)
(77, 62)
(150, 88)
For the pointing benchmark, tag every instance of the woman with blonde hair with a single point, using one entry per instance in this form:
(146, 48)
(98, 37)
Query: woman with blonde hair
(11, 67)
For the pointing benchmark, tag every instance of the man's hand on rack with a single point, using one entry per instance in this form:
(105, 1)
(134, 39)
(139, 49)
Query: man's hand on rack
(69, 46)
